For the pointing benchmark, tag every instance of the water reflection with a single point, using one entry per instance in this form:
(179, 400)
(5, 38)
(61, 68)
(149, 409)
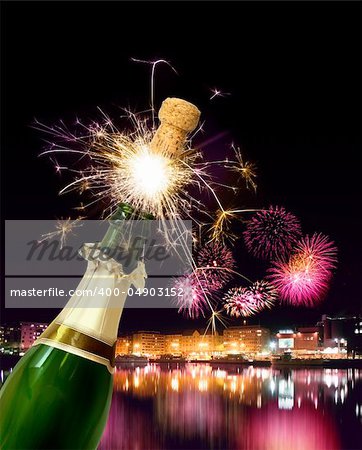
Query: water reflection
(199, 406)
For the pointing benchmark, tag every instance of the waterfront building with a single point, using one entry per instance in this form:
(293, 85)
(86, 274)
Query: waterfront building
(19, 337)
(173, 344)
(148, 343)
(307, 340)
(342, 334)
(301, 341)
(11, 337)
(249, 339)
(286, 340)
(124, 345)
(30, 331)
(200, 345)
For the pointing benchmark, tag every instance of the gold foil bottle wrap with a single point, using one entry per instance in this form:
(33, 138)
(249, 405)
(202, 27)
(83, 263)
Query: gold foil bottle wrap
(90, 329)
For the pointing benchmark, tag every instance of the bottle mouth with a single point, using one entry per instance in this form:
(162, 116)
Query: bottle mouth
(121, 230)
(126, 211)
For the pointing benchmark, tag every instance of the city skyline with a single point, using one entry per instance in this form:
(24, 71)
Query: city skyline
(330, 334)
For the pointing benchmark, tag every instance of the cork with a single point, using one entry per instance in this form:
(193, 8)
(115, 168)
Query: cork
(178, 118)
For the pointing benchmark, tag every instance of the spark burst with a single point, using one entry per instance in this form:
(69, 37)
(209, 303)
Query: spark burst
(124, 168)
(192, 295)
(220, 228)
(264, 293)
(304, 279)
(246, 169)
(246, 301)
(272, 233)
(218, 93)
(239, 302)
(62, 229)
(216, 263)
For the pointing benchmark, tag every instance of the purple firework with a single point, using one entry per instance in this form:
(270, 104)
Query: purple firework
(215, 264)
(272, 233)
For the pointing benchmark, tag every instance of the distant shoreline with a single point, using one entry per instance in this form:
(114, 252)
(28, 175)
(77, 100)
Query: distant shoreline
(9, 361)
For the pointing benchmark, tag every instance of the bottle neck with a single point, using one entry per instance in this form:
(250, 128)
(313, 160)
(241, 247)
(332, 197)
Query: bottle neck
(113, 236)
(120, 231)
(88, 324)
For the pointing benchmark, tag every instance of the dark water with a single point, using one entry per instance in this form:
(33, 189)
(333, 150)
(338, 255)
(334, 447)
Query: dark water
(196, 406)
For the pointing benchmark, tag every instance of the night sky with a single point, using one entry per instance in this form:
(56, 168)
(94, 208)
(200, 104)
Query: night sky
(292, 70)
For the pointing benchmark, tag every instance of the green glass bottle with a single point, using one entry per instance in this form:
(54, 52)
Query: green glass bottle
(58, 395)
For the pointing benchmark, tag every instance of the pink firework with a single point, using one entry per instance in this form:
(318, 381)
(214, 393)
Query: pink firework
(215, 264)
(191, 295)
(304, 279)
(272, 233)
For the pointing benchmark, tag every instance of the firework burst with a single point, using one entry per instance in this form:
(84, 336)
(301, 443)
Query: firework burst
(125, 168)
(192, 295)
(272, 233)
(239, 302)
(216, 263)
(264, 294)
(246, 301)
(304, 279)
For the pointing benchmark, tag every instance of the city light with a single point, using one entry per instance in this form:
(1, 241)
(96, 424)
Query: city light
(251, 342)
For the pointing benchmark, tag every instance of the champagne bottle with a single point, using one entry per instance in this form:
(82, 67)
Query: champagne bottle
(58, 396)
